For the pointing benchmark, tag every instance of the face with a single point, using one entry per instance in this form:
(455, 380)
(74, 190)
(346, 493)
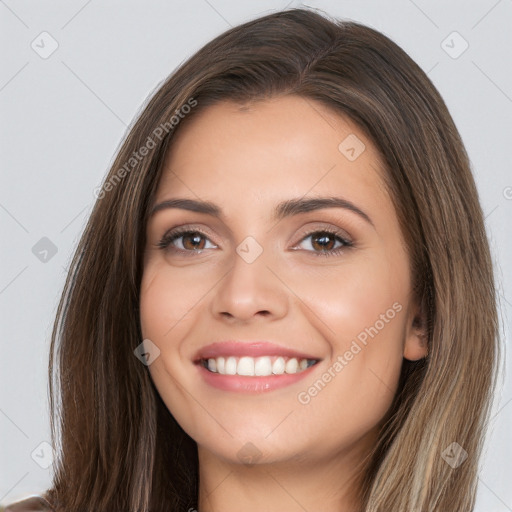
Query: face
(302, 314)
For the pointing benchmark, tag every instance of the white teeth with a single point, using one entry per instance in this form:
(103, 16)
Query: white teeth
(257, 366)
(291, 365)
(230, 367)
(278, 366)
(245, 366)
(263, 366)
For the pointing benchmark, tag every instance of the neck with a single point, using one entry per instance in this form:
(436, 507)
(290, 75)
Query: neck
(330, 484)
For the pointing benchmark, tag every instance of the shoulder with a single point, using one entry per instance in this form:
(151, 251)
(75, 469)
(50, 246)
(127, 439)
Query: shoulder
(32, 504)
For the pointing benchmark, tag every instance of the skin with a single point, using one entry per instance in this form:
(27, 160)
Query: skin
(247, 159)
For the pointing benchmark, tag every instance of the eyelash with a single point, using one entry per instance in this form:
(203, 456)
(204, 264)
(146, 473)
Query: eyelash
(170, 237)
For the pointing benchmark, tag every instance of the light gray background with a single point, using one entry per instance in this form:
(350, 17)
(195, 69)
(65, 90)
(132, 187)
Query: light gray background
(62, 118)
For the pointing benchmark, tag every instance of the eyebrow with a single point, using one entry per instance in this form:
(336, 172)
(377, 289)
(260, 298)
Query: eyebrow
(284, 209)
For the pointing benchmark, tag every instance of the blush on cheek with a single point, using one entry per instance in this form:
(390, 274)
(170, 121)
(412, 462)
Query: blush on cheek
(160, 309)
(372, 347)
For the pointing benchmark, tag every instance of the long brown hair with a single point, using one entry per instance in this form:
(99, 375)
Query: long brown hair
(119, 448)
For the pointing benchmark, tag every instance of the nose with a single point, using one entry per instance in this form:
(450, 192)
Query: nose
(250, 291)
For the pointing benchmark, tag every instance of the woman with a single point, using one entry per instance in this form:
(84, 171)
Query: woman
(271, 305)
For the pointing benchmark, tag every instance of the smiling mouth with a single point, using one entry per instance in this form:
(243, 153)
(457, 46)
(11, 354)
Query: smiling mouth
(263, 366)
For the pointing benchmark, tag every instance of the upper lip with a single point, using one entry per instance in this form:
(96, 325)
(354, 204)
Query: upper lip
(248, 348)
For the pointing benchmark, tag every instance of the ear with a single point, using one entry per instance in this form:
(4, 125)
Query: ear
(416, 340)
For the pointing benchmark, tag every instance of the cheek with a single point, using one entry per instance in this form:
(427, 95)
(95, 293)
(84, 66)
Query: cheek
(355, 295)
(166, 301)
(166, 316)
(361, 308)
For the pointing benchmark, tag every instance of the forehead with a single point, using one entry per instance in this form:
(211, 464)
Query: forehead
(285, 146)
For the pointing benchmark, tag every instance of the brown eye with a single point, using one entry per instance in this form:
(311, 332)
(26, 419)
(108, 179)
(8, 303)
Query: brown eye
(324, 242)
(191, 241)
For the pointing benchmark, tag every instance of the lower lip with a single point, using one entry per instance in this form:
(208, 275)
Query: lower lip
(242, 384)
